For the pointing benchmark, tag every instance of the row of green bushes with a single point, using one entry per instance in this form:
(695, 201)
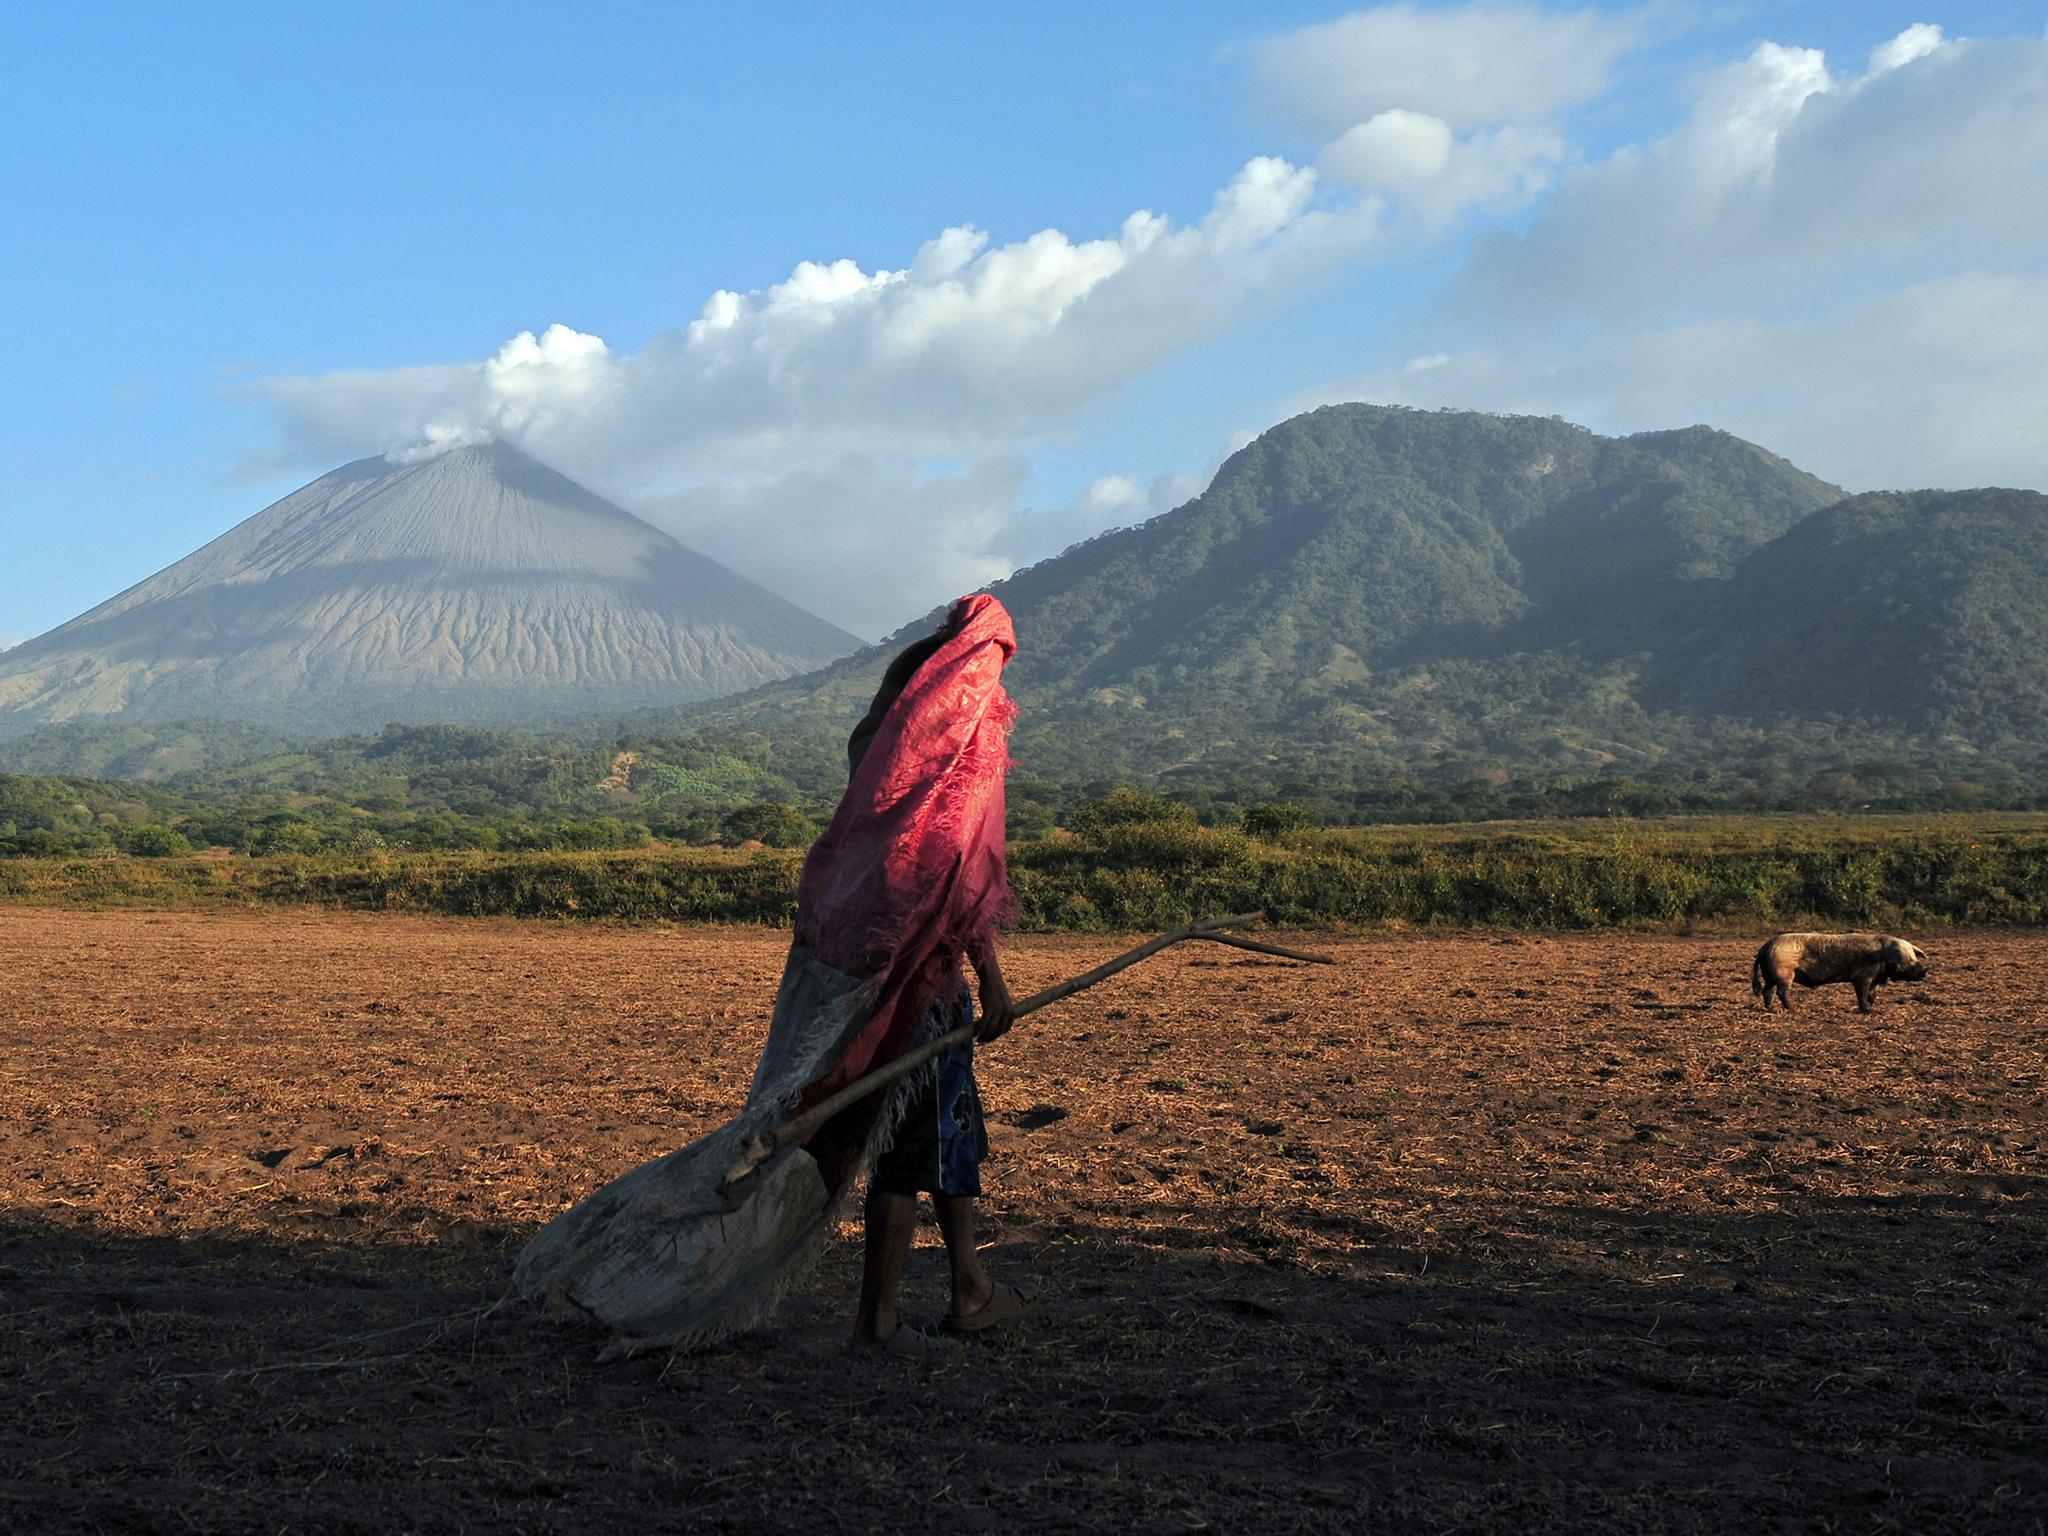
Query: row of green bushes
(1147, 877)
(1149, 873)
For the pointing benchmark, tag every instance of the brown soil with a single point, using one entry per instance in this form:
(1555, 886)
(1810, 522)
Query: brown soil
(1519, 1234)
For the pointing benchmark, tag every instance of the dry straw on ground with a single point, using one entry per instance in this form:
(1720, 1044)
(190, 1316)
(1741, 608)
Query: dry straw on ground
(1513, 1233)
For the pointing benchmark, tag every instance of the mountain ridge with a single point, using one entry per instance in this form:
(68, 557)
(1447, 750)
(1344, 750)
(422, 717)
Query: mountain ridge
(1380, 611)
(1370, 592)
(477, 587)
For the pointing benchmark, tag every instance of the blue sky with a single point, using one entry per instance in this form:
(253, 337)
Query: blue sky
(241, 244)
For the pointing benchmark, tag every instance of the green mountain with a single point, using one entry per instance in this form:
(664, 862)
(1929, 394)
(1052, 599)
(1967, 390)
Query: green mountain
(1380, 613)
(1357, 532)
(1928, 609)
(1346, 547)
(1392, 585)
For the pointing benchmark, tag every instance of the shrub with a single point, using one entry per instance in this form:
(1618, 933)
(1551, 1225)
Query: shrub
(1124, 807)
(154, 842)
(1153, 871)
(1277, 821)
(771, 822)
(283, 834)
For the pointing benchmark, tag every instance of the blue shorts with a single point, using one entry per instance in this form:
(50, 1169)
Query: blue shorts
(941, 1139)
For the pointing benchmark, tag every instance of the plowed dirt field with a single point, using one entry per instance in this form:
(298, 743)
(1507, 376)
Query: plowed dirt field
(1465, 1233)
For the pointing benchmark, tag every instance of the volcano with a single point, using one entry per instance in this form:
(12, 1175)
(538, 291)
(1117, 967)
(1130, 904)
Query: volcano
(478, 587)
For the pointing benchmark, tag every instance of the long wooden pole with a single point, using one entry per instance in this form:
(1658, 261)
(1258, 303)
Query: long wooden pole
(760, 1148)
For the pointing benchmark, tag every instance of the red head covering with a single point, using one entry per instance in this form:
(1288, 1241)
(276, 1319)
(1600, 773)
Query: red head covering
(911, 872)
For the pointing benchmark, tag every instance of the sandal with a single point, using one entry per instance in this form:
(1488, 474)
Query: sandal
(1006, 1303)
(913, 1344)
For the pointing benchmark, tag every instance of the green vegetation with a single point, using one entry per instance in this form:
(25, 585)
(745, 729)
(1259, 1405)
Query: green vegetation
(1926, 607)
(1138, 874)
(1373, 616)
(117, 749)
(40, 816)
(773, 823)
(425, 789)
(430, 787)
(1397, 615)
(1140, 866)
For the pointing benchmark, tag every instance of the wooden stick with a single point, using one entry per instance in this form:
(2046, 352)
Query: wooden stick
(760, 1148)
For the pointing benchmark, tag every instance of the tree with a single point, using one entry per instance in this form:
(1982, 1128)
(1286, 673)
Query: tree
(1277, 820)
(773, 822)
(1124, 807)
(154, 842)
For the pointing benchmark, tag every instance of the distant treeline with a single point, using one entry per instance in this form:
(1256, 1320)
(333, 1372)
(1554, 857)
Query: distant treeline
(1133, 863)
(443, 788)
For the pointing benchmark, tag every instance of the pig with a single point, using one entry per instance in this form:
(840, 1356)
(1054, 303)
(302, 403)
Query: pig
(1865, 960)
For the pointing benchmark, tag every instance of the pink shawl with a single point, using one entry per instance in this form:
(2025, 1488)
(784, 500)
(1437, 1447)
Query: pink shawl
(910, 873)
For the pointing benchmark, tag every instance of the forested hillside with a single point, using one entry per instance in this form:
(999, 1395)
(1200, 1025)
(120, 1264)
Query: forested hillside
(1388, 612)
(1373, 615)
(1925, 608)
(426, 787)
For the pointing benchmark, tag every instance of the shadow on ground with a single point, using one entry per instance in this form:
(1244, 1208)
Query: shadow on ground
(1863, 1366)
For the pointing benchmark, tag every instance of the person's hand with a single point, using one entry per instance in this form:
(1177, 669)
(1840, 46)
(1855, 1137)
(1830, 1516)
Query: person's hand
(998, 1010)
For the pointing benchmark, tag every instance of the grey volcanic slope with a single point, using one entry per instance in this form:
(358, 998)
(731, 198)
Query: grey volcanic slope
(476, 588)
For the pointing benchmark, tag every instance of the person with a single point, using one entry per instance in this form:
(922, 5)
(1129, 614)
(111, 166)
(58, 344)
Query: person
(906, 883)
(939, 1144)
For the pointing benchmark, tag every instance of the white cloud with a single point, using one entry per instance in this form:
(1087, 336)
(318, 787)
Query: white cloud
(533, 386)
(1472, 66)
(1396, 149)
(1444, 113)
(791, 415)
(1113, 497)
(1176, 487)
(1848, 269)
(1916, 42)
(966, 346)
(1789, 185)
(1433, 178)
(1109, 501)
(868, 543)
(1937, 384)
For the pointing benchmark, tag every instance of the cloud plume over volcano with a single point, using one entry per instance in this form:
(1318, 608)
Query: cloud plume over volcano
(841, 395)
